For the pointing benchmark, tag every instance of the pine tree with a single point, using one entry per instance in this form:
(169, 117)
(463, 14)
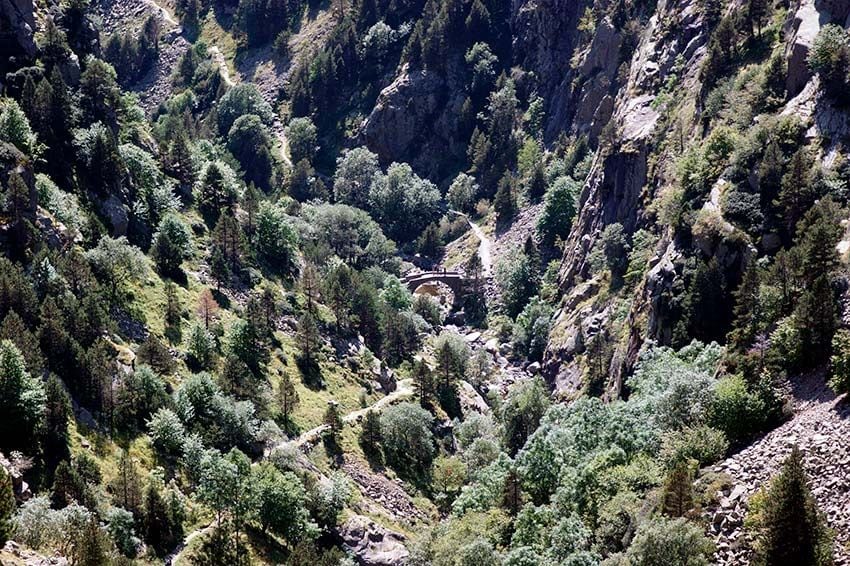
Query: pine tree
(505, 202)
(219, 268)
(748, 315)
(156, 520)
(678, 496)
(338, 287)
(90, 548)
(287, 396)
(757, 14)
(792, 531)
(423, 382)
(537, 182)
(251, 204)
(310, 285)
(478, 21)
(429, 243)
(229, 240)
(207, 308)
(7, 506)
(773, 83)
(370, 434)
(797, 193)
(474, 299)
(512, 498)
(817, 318)
(154, 353)
(67, 486)
(13, 328)
(127, 486)
(839, 363)
(57, 415)
(173, 313)
(214, 194)
(308, 337)
(333, 420)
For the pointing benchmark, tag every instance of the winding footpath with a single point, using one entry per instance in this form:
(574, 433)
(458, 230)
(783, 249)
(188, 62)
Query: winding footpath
(277, 126)
(404, 390)
(485, 245)
(163, 13)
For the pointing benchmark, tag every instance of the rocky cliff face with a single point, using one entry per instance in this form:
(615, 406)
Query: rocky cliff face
(416, 119)
(545, 37)
(621, 184)
(17, 28)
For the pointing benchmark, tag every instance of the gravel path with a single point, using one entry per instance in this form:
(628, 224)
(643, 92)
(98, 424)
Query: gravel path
(404, 390)
(277, 128)
(484, 247)
(173, 558)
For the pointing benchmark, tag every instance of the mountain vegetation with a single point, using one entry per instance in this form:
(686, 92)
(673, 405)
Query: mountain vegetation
(424, 282)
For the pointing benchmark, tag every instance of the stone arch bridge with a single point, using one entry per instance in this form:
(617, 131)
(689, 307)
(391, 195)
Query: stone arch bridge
(452, 279)
(456, 281)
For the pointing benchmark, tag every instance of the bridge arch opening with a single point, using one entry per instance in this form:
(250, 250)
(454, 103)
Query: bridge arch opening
(438, 291)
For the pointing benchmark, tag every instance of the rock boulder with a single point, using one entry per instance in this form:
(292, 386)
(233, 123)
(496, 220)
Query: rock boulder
(372, 544)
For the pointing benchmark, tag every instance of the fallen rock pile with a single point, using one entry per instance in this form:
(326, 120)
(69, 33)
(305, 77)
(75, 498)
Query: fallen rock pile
(821, 428)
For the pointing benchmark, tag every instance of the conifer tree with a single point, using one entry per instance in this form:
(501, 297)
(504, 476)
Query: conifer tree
(13, 328)
(537, 182)
(423, 382)
(429, 243)
(287, 396)
(748, 315)
(797, 190)
(207, 308)
(127, 486)
(512, 498)
(678, 496)
(7, 506)
(792, 531)
(333, 420)
(757, 13)
(370, 434)
(505, 202)
(56, 416)
(308, 337)
(839, 364)
(90, 548)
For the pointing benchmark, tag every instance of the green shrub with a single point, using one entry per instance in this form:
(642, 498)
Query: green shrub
(840, 362)
(701, 443)
(666, 542)
(244, 98)
(531, 330)
(559, 210)
(830, 58)
(408, 441)
(736, 410)
(744, 209)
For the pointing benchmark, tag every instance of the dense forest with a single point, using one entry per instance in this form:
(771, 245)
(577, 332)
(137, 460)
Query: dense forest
(424, 282)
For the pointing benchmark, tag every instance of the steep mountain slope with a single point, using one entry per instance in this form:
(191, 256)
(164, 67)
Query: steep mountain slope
(214, 350)
(820, 425)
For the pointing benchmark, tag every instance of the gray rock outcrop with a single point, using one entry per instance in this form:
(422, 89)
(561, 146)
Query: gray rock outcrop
(415, 120)
(17, 27)
(622, 180)
(372, 544)
(804, 27)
